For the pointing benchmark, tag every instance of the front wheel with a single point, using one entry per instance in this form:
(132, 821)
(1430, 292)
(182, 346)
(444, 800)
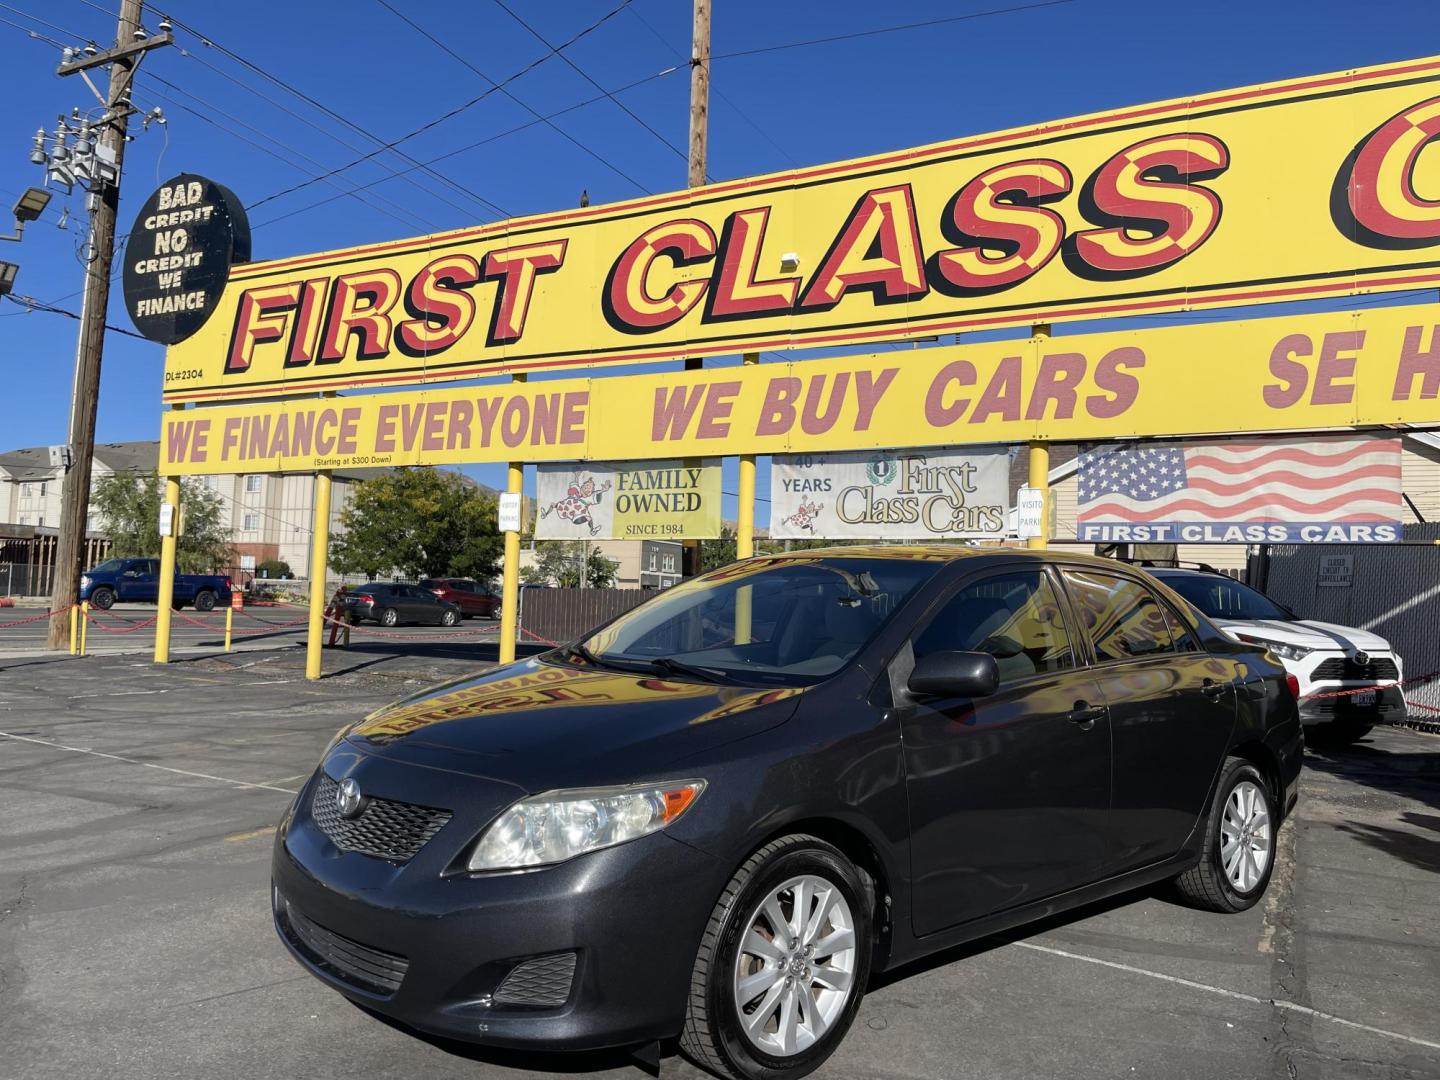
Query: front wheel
(783, 963)
(103, 598)
(1239, 854)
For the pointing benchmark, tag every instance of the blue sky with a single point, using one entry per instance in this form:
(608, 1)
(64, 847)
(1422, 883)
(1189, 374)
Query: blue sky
(769, 110)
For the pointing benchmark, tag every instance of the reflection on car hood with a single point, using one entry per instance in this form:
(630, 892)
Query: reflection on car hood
(546, 726)
(1309, 635)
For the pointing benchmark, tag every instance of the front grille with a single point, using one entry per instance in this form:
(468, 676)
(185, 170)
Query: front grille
(359, 965)
(1345, 667)
(542, 983)
(384, 829)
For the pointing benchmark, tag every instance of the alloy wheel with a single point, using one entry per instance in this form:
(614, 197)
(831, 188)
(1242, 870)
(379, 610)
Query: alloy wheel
(1246, 841)
(795, 968)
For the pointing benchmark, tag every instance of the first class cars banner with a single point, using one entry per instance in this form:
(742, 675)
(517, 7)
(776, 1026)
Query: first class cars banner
(1317, 186)
(1296, 373)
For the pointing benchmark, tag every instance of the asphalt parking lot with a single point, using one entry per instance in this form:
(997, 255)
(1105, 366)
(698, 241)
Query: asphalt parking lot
(138, 805)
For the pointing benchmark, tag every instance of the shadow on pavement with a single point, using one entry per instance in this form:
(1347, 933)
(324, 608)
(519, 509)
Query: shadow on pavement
(1422, 852)
(1414, 774)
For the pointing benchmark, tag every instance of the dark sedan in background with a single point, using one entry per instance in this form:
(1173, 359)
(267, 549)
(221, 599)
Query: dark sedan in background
(395, 604)
(716, 816)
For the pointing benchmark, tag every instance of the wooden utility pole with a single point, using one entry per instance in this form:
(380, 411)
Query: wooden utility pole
(699, 92)
(699, 136)
(75, 500)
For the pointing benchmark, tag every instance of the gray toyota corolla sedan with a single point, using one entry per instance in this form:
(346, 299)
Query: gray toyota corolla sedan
(718, 815)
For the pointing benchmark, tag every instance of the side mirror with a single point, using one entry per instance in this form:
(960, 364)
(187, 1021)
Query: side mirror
(955, 675)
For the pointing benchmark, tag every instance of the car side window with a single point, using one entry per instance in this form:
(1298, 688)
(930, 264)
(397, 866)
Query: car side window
(1014, 617)
(1122, 617)
(1179, 633)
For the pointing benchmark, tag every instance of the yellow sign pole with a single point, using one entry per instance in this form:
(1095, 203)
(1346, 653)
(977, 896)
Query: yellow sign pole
(166, 594)
(229, 620)
(1039, 478)
(510, 581)
(319, 549)
(84, 625)
(745, 534)
(74, 613)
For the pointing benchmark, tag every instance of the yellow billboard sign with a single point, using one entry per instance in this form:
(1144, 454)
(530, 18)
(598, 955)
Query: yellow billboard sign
(1298, 373)
(1311, 187)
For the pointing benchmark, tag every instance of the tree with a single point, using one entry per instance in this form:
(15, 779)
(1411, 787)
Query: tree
(274, 568)
(422, 522)
(717, 553)
(129, 507)
(562, 563)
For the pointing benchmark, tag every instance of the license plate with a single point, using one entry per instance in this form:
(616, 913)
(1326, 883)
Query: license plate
(1367, 700)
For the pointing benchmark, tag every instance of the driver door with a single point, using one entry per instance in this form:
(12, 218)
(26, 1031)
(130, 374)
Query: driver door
(1009, 794)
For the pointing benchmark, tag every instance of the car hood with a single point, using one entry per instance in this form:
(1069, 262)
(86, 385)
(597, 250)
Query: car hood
(544, 726)
(1309, 635)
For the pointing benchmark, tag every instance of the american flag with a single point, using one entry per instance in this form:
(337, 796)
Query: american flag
(1341, 478)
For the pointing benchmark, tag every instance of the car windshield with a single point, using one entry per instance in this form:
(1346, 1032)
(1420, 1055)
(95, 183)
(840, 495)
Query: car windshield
(1221, 598)
(110, 566)
(778, 621)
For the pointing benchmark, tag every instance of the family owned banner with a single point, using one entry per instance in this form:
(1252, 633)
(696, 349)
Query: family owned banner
(903, 495)
(652, 500)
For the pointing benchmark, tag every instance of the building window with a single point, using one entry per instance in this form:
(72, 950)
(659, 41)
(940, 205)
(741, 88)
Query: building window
(42, 489)
(250, 523)
(669, 564)
(25, 491)
(653, 561)
(212, 483)
(252, 485)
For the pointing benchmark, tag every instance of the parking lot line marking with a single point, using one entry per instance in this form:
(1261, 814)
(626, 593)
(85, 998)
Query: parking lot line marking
(147, 764)
(268, 830)
(1278, 1003)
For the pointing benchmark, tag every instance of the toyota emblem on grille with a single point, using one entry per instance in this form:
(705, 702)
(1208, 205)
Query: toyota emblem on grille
(1362, 658)
(348, 799)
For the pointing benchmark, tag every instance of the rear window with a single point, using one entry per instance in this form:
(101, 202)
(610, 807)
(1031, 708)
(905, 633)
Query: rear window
(1223, 598)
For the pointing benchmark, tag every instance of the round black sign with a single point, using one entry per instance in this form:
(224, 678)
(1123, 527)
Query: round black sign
(179, 254)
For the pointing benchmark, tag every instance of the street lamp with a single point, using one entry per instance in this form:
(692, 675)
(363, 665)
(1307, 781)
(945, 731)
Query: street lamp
(8, 270)
(28, 207)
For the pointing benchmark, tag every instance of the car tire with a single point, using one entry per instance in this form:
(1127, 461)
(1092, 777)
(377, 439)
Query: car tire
(103, 598)
(727, 1027)
(1336, 734)
(1229, 878)
(389, 617)
(449, 618)
(205, 600)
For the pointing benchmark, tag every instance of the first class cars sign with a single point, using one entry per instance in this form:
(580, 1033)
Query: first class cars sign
(1310, 187)
(178, 258)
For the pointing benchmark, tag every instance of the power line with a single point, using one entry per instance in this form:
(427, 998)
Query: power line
(586, 76)
(890, 29)
(497, 86)
(475, 145)
(31, 304)
(319, 165)
(34, 35)
(453, 112)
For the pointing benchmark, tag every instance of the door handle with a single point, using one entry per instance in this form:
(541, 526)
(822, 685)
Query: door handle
(1212, 689)
(1085, 715)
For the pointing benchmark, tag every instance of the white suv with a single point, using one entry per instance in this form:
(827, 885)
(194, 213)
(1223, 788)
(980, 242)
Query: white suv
(1326, 658)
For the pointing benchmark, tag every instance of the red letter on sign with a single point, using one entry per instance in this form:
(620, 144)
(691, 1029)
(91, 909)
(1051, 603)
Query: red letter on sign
(259, 317)
(1148, 188)
(1381, 208)
(630, 305)
(442, 307)
(883, 219)
(516, 269)
(737, 292)
(360, 304)
(1003, 232)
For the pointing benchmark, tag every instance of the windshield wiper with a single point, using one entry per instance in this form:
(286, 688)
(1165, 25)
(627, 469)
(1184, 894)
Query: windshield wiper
(668, 665)
(578, 650)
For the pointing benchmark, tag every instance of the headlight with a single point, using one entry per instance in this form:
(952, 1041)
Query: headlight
(84, 581)
(1279, 648)
(559, 825)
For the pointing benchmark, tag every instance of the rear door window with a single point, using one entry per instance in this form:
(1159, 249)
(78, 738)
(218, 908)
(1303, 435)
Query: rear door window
(1122, 617)
(1014, 617)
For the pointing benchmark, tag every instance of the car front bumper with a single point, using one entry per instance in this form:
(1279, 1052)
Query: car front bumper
(1341, 704)
(602, 946)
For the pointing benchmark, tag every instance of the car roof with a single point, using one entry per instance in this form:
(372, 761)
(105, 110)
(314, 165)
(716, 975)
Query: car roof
(947, 553)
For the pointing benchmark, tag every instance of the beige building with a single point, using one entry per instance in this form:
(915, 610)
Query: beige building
(268, 516)
(643, 564)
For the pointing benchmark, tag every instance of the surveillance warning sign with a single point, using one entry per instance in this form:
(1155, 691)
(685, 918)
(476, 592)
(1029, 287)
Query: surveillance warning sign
(182, 245)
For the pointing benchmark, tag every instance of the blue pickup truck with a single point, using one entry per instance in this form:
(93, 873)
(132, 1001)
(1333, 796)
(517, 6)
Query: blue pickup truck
(138, 581)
